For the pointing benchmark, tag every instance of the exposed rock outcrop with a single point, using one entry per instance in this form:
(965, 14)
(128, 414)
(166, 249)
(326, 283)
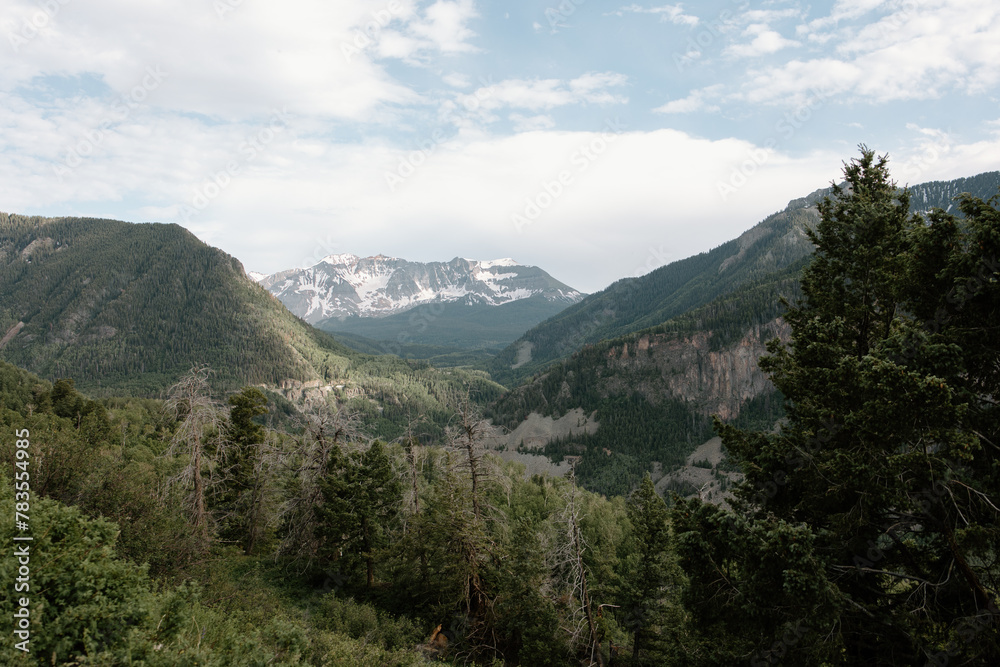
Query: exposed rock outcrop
(717, 381)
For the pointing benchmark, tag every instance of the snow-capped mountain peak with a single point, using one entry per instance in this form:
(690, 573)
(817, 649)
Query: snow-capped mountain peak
(346, 285)
(345, 259)
(506, 261)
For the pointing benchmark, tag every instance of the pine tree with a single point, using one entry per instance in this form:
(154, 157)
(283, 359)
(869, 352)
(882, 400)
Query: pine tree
(361, 499)
(649, 575)
(245, 485)
(325, 431)
(866, 491)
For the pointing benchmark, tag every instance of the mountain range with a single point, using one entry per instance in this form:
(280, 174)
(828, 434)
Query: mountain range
(129, 308)
(343, 286)
(434, 310)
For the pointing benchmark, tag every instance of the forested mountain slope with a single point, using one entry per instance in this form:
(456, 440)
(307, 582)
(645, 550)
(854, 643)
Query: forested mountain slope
(475, 326)
(633, 304)
(654, 381)
(653, 392)
(128, 308)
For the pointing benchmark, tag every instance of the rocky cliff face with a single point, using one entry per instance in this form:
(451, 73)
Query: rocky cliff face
(715, 381)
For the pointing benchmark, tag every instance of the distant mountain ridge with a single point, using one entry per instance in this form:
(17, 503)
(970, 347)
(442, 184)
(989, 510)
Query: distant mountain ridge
(652, 358)
(344, 286)
(634, 304)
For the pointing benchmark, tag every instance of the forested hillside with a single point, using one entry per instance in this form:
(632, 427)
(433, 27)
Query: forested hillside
(655, 391)
(633, 304)
(184, 532)
(455, 325)
(656, 387)
(129, 308)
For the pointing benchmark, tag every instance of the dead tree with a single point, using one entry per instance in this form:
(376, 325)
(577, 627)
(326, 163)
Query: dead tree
(568, 558)
(199, 417)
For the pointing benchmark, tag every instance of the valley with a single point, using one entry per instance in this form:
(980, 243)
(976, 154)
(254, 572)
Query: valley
(440, 456)
(459, 333)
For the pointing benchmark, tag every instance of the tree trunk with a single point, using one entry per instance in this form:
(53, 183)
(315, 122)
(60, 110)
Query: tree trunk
(200, 524)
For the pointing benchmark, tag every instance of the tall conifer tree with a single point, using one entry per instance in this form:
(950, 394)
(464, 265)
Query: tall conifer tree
(874, 493)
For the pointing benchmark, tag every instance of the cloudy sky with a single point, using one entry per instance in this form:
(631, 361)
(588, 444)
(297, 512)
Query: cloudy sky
(595, 139)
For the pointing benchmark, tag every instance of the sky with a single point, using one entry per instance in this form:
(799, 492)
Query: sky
(595, 139)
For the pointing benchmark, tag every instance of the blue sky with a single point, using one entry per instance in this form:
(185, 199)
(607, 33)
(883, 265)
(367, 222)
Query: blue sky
(597, 140)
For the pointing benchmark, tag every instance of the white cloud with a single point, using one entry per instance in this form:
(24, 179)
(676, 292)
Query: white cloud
(456, 80)
(697, 100)
(769, 16)
(844, 10)
(116, 42)
(911, 52)
(539, 94)
(667, 13)
(524, 123)
(765, 42)
(444, 26)
(798, 81)
(936, 154)
(314, 56)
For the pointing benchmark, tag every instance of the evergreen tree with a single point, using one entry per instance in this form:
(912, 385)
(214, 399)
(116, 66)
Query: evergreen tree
(245, 487)
(649, 573)
(361, 498)
(325, 430)
(866, 491)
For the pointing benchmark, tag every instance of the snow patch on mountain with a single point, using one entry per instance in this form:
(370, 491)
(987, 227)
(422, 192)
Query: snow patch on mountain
(346, 285)
(506, 261)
